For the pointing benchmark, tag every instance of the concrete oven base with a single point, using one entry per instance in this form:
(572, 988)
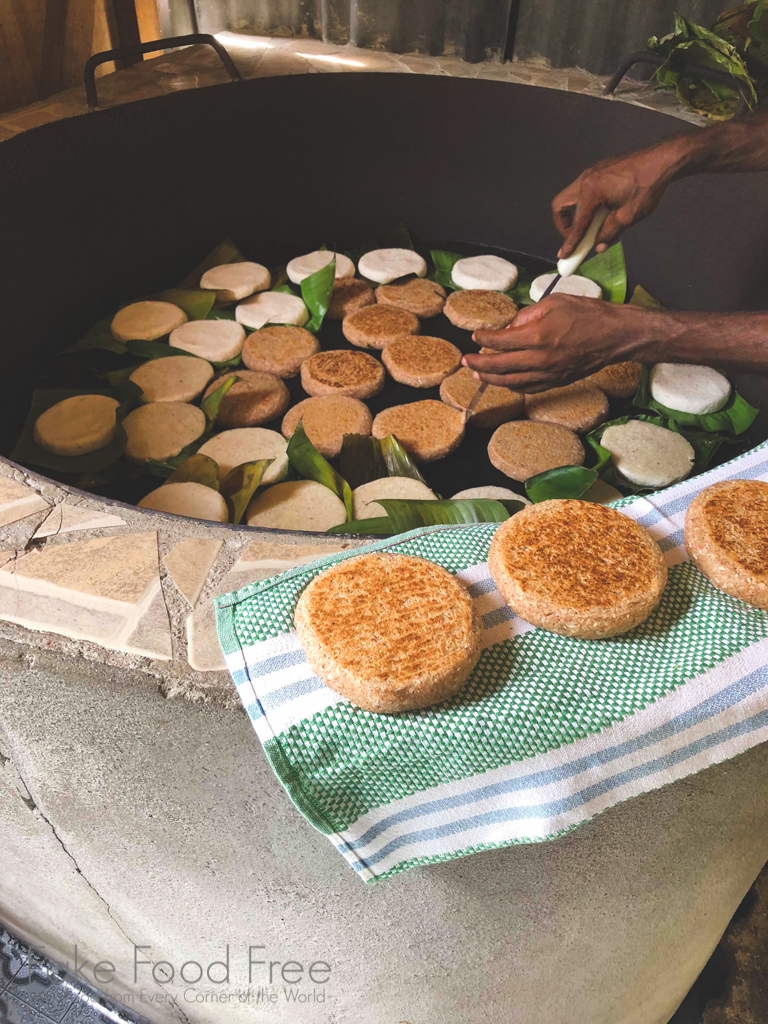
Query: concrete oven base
(128, 818)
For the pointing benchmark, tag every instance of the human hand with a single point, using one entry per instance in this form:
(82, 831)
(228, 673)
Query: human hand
(562, 339)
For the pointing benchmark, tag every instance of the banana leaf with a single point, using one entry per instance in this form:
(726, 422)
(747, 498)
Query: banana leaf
(223, 313)
(609, 270)
(118, 472)
(521, 293)
(195, 302)
(404, 515)
(28, 453)
(167, 467)
(561, 482)
(197, 469)
(316, 293)
(376, 527)
(239, 486)
(640, 297)
(98, 337)
(361, 460)
(225, 252)
(444, 262)
(153, 349)
(310, 465)
(736, 416)
(212, 403)
(399, 462)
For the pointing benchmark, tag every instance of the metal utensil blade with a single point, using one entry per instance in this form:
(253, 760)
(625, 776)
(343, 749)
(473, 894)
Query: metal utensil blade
(551, 286)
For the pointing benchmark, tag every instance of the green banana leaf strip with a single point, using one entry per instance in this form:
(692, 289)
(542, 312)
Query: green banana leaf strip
(310, 465)
(443, 263)
(197, 469)
(225, 252)
(227, 364)
(640, 297)
(399, 462)
(239, 486)
(521, 293)
(361, 460)
(99, 337)
(561, 482)
(212, 403)
(609, 270)
(153, 349)
(166, 467)
(223, 313)
(736, 416)
(195, 302)
(376, 527)
(407, 515)
(316, 293)
(28, 453)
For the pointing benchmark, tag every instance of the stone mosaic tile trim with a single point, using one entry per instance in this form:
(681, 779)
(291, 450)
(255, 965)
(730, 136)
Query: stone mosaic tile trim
(17, 501)
(66, 518)
(106, 590)
(189, 565)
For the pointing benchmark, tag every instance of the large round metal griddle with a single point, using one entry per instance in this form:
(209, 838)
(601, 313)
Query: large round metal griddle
(118, 203)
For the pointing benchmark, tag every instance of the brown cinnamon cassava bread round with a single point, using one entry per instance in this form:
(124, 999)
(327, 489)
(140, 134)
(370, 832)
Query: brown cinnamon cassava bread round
(341, 372)
(375, 326)
(726, 535)
(521, 449)
(421, 297)
(327, 419)
(619, 380)
(577, 568)
(279, 350)
(421, 361)
(428, 430)
(389, 632)
(477, 309)
(496, 405)
(253, 399)
(349, 294)
(579, 407)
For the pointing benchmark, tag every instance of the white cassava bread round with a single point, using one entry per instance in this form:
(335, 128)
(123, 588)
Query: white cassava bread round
(304, 266)
(385, 265)
(491, 272)
(172, 379)
(698, 390)
(726, 535)
(577, 568)
(648, 455)
(76, 425)
(365, 497)
(215, 340)
(188, 499)
(160, 430)
(296, 505)
(233, 281)
(389, 632)
(147, 321)
(232, 448)
(271, 308)
(573, 285)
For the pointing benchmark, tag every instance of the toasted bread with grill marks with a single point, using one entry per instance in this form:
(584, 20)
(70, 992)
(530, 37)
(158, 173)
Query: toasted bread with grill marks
(327, 419)
(253, 399)
(349, 294)
(726, 535)
(389, 632)
(618, 380)
(421, 297)
(279, 350)
(479, 309)
(496, 405)
(421, 361)
(577, 568)
(341, 372)
(428, 430)
(578, 407)
(375, 326)
(522, 449)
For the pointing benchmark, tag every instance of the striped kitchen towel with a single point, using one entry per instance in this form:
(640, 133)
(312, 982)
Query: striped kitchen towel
(548, 732)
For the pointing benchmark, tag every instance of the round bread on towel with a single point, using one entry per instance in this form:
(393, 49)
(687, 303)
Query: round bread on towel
(234, 281)
(301, 267)
(726, 535)
(648, 455)
(573, 285)
(619, 380)
(172, 379)
(215, 340)
(341, 372)
(496, 405)
(188, 499)
(279, 350)
(698, 390)
(492, 492)
(428, 430)
(147, 321)
(365, 497)
(489, 272)
(385, 265)
(76, 425)
(421, 361)
(232, 448)
(579, 407)
(375, 326)
(253, 399)
(521, 449)
(389, 632)
(296, 505)
(421, 297)
(327, 419)
(160, 430)
(577, 569)
(479, 309)
(349, 294)
(271, 307)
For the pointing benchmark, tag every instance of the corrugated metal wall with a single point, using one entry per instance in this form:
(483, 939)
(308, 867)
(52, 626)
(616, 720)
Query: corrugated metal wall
(589, 34)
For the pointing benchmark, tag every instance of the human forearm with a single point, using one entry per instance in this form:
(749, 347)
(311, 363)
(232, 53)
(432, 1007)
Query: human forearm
(732, 341)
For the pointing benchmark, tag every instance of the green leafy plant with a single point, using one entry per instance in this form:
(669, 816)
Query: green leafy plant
(609, 270)
(316, 293)
(561, 482)
(239, 486)
(212, 403)
(736, 416)
(197, 469)
(307, 461)
(403, 515)
(363, 459)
